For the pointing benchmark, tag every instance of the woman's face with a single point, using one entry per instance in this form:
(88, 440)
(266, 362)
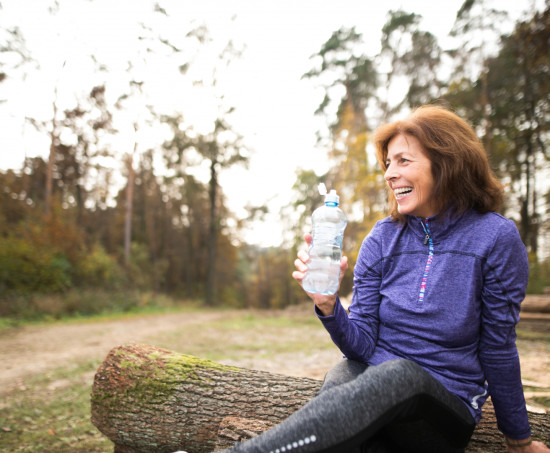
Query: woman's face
(409, 176)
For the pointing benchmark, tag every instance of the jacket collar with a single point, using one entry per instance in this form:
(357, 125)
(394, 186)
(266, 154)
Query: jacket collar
(440, 225)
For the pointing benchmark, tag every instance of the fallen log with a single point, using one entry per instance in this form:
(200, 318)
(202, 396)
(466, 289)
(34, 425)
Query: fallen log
(146, 399)
(536, 303)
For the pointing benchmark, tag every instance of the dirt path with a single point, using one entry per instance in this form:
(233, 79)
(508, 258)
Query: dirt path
(33, 350)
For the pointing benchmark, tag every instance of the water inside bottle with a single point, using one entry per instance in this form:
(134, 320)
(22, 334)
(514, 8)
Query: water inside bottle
(322, 275)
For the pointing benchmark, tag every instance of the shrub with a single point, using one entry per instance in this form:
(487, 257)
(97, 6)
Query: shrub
(29, 267)
(97, 268)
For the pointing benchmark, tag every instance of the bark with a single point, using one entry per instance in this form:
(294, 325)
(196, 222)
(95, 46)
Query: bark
(146, 399)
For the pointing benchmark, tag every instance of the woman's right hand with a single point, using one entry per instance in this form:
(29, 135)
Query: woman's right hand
(324, 302)
(531, 447)
(535, 447)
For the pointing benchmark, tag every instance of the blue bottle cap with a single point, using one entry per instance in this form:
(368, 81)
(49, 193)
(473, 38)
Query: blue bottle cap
(332, 199)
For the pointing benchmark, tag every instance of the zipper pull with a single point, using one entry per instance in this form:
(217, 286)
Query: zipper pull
(426, 230)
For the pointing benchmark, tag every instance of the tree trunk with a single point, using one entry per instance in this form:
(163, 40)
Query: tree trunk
(210, 294)
(51, 160)
(146, 399)
(128, 211)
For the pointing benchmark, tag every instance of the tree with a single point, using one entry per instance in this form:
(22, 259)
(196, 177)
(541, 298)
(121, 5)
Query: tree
(518, 83)
(508, 103)
(14, 54)
(187, 205)
(15, 203)
(477, 23)
(344, 68)
(219, 149)
(129, 200)
(81, 150)
(223, 149)
(152, 43)
(77, 152)
(410, 55)
(54, 138)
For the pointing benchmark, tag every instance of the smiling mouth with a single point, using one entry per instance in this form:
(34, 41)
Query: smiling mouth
(402, 191)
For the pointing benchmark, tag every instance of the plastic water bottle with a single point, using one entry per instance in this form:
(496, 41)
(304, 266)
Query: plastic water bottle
(325, 251)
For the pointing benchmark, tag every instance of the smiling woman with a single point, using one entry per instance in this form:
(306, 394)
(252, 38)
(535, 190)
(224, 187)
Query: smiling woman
(437, 293)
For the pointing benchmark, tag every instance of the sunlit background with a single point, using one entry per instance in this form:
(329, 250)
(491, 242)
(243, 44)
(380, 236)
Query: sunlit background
(160, 92)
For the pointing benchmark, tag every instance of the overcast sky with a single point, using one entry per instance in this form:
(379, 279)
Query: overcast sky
(274, 107)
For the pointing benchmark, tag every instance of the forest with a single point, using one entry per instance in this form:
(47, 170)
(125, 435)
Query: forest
(76, 237)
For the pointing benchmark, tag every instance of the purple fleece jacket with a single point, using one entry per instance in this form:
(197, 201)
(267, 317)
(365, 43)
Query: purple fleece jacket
(444, 292)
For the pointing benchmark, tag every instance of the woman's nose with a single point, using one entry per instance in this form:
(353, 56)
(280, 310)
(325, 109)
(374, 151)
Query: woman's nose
(390, 173)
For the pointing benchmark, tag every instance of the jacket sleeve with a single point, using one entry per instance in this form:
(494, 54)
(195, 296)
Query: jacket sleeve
(356, 334)
(506, 273)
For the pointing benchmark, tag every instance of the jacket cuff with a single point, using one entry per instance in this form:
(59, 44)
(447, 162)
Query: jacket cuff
(338, 311)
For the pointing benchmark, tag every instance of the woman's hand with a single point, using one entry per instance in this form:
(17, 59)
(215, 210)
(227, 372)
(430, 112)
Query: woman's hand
(533, 447)
(323, 302)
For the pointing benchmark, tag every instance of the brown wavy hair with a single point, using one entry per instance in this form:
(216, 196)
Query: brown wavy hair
(460, 168)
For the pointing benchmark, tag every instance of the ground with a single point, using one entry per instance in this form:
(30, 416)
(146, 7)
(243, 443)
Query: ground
(37, 350)
(34, 350)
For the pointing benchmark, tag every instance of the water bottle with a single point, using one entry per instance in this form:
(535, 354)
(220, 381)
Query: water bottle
(325, 251)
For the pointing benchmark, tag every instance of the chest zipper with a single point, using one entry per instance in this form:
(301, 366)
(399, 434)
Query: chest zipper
(427, 241)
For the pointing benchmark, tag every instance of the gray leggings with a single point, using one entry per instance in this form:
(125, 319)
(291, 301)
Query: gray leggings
(394, 407)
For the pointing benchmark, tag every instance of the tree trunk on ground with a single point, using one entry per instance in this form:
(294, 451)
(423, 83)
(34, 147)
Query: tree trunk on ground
(146, 399)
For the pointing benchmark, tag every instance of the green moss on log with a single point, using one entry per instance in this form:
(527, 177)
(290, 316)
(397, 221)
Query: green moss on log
(151, 376)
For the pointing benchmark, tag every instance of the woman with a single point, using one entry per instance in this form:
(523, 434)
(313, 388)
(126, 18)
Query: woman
(431, 328)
